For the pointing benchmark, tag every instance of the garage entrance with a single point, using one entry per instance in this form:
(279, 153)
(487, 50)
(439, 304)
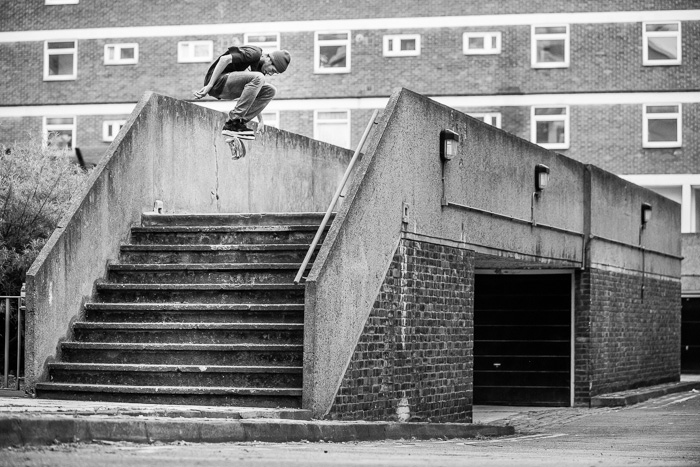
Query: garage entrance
(522, 338)
(690, 335)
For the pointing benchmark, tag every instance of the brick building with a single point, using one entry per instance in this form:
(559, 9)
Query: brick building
(611, 84)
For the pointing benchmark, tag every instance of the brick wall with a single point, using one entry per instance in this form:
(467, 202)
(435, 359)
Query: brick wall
(33, 14)
(414, 360)
(623, 342)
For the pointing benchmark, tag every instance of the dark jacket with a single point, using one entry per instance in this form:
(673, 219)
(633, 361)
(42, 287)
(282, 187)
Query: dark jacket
(242, 57)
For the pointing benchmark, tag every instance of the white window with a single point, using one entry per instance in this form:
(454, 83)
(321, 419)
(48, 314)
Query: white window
(121, 54)
(402, 45)
(267, 42)
(492, 118)
(662, 43)
(271, 118)
(481, 43)
(59, 132)
(195, 51)
(550, 127)
(110, 129)
(61, 2)
(662, 126)
(332, 52)
(332, 126)
(60, 60)
(550, 46)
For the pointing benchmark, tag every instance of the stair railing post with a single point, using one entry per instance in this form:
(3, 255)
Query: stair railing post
(336, 196)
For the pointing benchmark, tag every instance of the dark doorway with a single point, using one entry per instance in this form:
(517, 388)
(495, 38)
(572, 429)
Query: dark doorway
(522, 339)
(690, 335)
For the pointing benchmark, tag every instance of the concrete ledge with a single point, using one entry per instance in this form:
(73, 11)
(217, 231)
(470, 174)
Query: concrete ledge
(635, 396)
(43, 430)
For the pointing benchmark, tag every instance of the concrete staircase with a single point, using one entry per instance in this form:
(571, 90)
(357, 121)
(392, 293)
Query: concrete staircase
(201, 309)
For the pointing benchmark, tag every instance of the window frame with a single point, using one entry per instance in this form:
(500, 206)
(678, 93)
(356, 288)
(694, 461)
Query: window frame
(192, 58)
(69, 51)
(122, 61)
(266, 48)
(57, 127)
(538, 118)
(349, 124)
(566, 36)
(486, 35)
(61, 2)
(401, 53)
(276, 118)
(645, 43)
(106, 124)
(645, 126)
(317, 52)
(484, 115)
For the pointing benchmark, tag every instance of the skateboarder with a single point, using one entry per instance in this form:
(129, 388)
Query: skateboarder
(240, 73)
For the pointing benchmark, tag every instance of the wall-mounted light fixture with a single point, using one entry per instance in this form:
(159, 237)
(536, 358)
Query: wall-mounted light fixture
(541, 177)
(448, 144)
(646, 214)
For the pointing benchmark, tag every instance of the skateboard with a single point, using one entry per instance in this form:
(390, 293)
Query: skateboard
(237, 147)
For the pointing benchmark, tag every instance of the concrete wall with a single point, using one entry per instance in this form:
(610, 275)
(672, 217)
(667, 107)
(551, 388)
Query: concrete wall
(172, 151)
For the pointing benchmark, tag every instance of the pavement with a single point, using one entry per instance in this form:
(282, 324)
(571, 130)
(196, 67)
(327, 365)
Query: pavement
(29, 421)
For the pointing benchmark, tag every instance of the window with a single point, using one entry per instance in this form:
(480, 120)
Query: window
(662, 43)
(332, 126)
(271, 118)
(59, 132)
(267, 42)
(662, 126)
(550, 46)
(332, 52)
(60, 60)
(121, 54)
(481, 43)
(61, 2)
(550, 127)
(110, 129)
(402, 45)
(195, 51)
(492, 118)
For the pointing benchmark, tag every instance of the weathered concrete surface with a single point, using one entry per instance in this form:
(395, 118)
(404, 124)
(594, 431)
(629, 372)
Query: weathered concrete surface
(172, 151)
(690, 279)
(489, 189)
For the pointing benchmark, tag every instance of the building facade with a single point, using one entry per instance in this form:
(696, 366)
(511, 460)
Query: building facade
(611, 84)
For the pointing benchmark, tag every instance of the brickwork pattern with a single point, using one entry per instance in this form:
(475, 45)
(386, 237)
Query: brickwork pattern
(624, 342)
(33, 14)
(414, 360)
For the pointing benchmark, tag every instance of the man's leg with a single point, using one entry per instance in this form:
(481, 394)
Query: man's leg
(244, 86)
(265, 95)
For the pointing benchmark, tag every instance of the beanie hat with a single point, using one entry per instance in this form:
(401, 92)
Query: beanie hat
(280, 59)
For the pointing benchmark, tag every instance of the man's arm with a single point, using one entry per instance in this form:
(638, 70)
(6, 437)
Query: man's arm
(223, 62)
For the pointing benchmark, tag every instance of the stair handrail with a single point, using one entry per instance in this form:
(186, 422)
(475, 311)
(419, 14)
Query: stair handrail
(336, 196)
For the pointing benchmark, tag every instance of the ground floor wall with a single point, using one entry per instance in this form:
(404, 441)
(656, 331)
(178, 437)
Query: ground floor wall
(625, 338)
(414, 359)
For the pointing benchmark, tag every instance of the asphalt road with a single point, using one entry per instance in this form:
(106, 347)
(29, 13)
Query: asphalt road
(660, 432)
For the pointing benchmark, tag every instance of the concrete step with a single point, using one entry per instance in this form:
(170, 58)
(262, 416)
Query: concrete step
(257, 253)
(176, 375)
(183, 354)
(253, 219)
(258, 397)
(195, 312)
(192, 333)
(223, 235)
(219, 273)
(200, 293)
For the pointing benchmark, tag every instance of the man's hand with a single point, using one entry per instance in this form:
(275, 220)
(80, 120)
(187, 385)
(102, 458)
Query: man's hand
(202, 92)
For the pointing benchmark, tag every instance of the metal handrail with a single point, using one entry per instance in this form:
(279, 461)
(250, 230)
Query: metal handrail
(20, 307)
(317, 237)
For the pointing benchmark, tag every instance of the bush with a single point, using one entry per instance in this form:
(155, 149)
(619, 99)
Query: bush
(37, 185)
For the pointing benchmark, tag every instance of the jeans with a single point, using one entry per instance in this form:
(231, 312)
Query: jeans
(252, 92)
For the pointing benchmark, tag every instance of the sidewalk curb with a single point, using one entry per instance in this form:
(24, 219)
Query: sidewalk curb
(44, 430)
(623, 399)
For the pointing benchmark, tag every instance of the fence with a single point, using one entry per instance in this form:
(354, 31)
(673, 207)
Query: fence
(13, 344)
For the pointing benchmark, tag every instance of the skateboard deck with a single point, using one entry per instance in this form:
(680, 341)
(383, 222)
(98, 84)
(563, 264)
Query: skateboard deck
(237, 147)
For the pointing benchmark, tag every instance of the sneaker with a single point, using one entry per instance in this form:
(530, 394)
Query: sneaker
(237, 128)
